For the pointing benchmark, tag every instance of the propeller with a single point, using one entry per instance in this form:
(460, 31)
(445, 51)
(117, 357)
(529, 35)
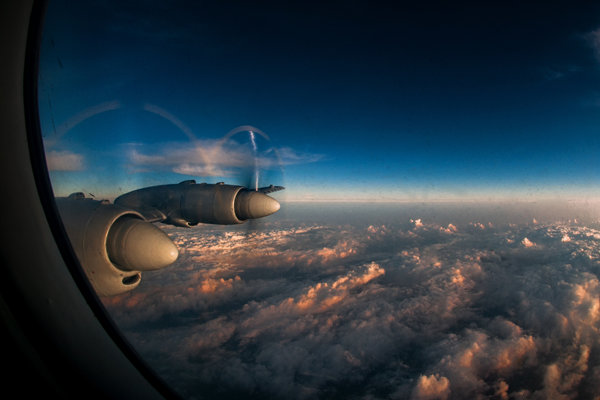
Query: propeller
(253, 178)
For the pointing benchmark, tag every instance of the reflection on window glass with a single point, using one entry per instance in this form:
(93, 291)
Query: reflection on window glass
(439, 231)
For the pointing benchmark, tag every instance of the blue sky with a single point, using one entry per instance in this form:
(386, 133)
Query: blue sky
(360, 102)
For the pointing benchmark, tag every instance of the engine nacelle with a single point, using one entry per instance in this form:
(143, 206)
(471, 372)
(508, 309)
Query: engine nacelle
(187, 203)
(113, 244)
(209, 204)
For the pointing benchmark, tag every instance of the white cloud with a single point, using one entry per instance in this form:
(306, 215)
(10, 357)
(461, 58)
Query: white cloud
(380, 311)
(289, 156)
(64, 161)
(432, 387)
(477, 225)
(451, 228)
(213, 157)
(417, 222)
(527, 243)
(201, 170)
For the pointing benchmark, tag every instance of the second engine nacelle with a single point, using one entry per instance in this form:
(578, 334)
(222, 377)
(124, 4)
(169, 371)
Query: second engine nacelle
(188, 203)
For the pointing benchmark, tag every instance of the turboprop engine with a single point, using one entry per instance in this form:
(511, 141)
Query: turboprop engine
(188, 203)
(114, 245)
(116, 242)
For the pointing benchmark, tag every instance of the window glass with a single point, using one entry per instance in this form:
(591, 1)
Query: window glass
(438, 235)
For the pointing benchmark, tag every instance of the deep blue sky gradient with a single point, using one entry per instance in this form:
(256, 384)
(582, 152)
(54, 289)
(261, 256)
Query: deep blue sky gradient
(419, 102)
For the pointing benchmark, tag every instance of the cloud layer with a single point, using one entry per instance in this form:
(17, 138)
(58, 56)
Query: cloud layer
(223, 157)
(409, 310)
(64, 161)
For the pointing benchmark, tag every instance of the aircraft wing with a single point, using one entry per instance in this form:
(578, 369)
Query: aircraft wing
(270, 189)
(152, 214)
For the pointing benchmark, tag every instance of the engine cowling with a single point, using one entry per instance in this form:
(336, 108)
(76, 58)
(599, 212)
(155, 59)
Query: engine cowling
(114, 244)
(187, 203)
(209, 204)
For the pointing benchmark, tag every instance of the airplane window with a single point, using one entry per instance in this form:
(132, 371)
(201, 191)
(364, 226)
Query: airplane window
(335, 200)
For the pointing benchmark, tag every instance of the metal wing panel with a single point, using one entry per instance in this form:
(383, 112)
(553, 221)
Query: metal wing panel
(152, 214)
(270, 189)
